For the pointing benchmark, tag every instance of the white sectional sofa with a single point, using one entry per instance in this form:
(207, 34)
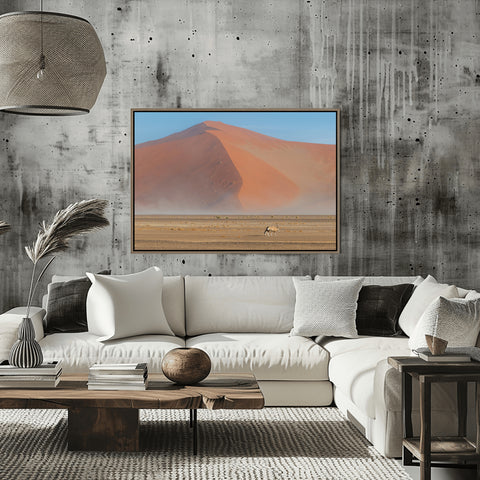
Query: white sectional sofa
(243, 323)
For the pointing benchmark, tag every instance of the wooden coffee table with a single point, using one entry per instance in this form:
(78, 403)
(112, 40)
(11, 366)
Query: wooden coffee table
(109, 420)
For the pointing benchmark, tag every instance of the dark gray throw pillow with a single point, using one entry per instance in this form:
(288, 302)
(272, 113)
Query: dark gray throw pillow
(379, 308)
(67, 306)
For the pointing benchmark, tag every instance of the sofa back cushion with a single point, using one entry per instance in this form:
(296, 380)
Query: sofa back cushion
(374, 280)
(172, 299)
(239, 304)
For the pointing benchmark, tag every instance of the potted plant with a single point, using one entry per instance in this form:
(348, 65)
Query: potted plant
(77, 218)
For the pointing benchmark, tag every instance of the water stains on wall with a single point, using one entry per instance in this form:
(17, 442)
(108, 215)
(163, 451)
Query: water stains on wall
(405, 76)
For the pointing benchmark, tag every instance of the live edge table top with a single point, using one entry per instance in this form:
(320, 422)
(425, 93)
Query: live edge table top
(217, 391)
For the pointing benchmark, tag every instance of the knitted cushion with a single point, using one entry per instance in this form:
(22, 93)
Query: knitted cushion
(326, 308)
(455, 320)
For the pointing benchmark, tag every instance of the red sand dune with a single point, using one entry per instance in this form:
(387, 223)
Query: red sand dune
(217, 168)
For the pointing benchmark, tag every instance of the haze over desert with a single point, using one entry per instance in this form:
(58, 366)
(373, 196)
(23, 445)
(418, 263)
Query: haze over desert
(215, 168)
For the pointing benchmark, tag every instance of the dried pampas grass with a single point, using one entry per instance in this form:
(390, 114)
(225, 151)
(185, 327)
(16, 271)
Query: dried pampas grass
(77, 218)
(80, 217)
(4, 227)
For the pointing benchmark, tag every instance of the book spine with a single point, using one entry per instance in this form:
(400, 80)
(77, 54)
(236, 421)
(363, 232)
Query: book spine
(137, 379)
(29, 371)
(130, 367)
(119, 387)
(28, 384)
(114, 373)
(28, 378)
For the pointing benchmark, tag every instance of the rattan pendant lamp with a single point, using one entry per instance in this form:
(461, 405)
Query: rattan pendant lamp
(50, 64)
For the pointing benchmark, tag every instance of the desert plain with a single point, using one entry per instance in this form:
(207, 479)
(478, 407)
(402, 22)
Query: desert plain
(234, 233)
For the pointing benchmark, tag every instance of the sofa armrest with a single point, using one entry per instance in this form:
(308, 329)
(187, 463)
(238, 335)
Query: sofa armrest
(387, 428)
(388, 388)
(9, 323)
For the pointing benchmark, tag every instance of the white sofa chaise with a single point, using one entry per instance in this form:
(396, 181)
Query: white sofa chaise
(243, 323)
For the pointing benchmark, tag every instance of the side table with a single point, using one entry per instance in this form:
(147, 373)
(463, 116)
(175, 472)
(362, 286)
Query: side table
(428, 449)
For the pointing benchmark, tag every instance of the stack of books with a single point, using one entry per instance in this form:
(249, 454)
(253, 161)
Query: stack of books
(444, 358)
(46, 375)
(451, 355)
(118, 376)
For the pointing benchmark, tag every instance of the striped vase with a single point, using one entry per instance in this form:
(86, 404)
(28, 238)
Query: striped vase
(26, 352)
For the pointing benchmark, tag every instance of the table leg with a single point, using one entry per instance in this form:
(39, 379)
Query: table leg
(477, 415)
(462, 408)
(407, 415)
(193, 414)
(103, 429)
(425, 428)
(477, 412)
(191, 418)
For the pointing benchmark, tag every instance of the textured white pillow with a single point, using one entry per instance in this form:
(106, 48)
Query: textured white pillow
(455, 320)
(421, 298)
(326, 308)
(120, 306)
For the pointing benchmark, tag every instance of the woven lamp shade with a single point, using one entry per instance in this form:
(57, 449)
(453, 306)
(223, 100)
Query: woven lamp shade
(74, 64)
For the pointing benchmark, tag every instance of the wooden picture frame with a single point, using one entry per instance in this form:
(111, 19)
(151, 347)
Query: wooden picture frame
(235, 180)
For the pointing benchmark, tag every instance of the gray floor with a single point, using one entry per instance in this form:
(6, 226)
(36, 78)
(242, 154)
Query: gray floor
(442, 473)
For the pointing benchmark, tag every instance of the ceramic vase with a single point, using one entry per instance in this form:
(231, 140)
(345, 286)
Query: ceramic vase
(26, 352)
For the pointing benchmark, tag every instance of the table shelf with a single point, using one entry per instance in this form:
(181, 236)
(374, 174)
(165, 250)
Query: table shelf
(445, 449)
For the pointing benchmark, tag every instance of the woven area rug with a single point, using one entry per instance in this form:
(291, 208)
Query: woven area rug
(273, 443)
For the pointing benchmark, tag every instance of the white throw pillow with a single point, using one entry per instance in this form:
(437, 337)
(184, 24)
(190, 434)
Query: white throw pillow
(120, 306)
(421, 298)
(472, 295)
(462, 292)
(326, 308)
(456, 320)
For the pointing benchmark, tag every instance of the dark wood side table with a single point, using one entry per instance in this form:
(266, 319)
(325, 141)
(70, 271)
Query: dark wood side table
(428, 449)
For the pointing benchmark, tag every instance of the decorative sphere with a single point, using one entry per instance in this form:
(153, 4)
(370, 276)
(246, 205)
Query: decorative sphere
(186, 366)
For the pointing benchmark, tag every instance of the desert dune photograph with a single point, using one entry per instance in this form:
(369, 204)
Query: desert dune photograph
(234, 180)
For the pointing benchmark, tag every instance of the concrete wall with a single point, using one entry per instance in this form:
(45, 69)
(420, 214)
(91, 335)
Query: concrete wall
(405, 75)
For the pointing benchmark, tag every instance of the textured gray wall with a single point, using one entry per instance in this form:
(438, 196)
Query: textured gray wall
(405, 75)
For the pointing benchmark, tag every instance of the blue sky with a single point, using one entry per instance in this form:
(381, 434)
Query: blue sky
(312, 127)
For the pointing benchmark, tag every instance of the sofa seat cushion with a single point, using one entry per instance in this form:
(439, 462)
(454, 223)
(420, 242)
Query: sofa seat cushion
(269, 356)
(340, 346)
(80, 350)
(353, 363)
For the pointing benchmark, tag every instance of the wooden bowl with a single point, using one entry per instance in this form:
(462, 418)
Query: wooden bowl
(437, 346)
(186, 366)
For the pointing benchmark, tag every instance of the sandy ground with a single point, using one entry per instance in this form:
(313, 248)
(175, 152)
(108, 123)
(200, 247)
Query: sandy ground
(234, 233)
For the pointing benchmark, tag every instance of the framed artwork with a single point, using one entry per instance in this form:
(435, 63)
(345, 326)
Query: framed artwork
(235, 180)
